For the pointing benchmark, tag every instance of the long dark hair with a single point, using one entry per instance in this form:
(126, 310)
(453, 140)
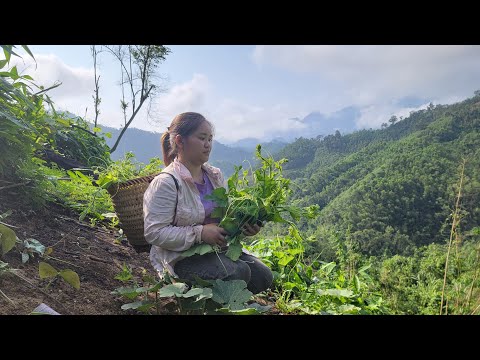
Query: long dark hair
(183, 124)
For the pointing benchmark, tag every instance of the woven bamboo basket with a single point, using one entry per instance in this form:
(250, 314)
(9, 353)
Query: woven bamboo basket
(127, 199)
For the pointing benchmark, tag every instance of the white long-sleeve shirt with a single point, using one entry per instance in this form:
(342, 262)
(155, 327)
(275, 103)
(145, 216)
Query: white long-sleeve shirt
(169, 240)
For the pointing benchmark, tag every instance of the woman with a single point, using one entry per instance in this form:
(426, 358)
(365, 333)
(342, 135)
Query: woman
(176, 220)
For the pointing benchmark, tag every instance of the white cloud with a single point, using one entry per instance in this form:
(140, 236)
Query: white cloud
(76, 81)
(375, 76)
(189, 96)
(375, 115)
(234, 121)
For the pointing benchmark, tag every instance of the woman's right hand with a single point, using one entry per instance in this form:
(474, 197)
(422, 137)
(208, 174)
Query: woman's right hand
(212, 234)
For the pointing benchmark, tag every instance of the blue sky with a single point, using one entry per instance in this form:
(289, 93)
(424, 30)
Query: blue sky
(257, 91)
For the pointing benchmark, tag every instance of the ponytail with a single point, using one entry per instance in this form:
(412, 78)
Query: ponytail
(168, 153)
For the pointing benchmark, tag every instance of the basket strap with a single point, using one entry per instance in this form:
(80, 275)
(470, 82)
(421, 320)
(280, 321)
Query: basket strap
(176, 185)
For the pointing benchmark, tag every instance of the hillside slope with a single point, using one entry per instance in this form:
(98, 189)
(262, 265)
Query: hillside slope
(388, 190)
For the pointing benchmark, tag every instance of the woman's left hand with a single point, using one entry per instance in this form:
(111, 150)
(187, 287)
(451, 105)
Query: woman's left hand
(250, 230)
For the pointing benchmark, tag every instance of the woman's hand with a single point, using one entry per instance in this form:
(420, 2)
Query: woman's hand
(250, 230)
(213, 235)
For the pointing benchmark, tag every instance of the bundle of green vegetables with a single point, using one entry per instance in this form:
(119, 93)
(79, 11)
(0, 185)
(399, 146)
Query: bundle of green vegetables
(260, 199)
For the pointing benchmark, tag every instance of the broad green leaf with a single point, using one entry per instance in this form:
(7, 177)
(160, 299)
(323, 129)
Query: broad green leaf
(229, 225)
(138, 305)
(232, 294)
(3, 63)
(218, 212)
(206, 294)
(172, 290)
(234, 250)
(7, 239)
(128, 292)
(193, 292)
(46, 270)
(219, 196)
(71, 277)
(285, 260)
(199, 249)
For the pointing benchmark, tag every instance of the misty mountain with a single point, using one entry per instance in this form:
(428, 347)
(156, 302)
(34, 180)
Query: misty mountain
(316, 123)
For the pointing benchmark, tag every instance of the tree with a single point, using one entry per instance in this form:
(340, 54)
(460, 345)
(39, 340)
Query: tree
(138, 64)
(393, 120)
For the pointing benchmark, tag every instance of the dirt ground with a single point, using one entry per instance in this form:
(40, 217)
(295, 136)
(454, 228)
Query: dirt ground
(92, 252)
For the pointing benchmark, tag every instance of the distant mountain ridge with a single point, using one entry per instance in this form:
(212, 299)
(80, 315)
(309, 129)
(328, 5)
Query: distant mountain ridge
(146, 145)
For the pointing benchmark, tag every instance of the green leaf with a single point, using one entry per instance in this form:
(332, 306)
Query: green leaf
(232, 294)
(64, 122)
(172, 290)
(46, 270)
(138, 305)
(71, 277)
(219, 196)
(336, 292)
(14, 73)
(246, 311)
(34, 245)
(348, 309)
(108, 135)
(328, 267)
(218, 212)
(285, 260)
(199, 249)
(259, 308)
(206, 294)
(7, 239)
(96, 129)
(3, 63)
(229, 225)
(25, 47)
(365, 267)
(234, 250)
(193, 292)
(357, 283)
(128, 292)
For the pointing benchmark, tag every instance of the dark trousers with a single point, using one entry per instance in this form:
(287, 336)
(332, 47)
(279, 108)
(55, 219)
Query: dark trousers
(212, 266)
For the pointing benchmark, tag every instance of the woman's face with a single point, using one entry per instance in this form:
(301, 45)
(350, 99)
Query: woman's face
(197, 146)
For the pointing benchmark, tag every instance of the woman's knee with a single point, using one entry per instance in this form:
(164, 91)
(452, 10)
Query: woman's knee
(241, 271)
